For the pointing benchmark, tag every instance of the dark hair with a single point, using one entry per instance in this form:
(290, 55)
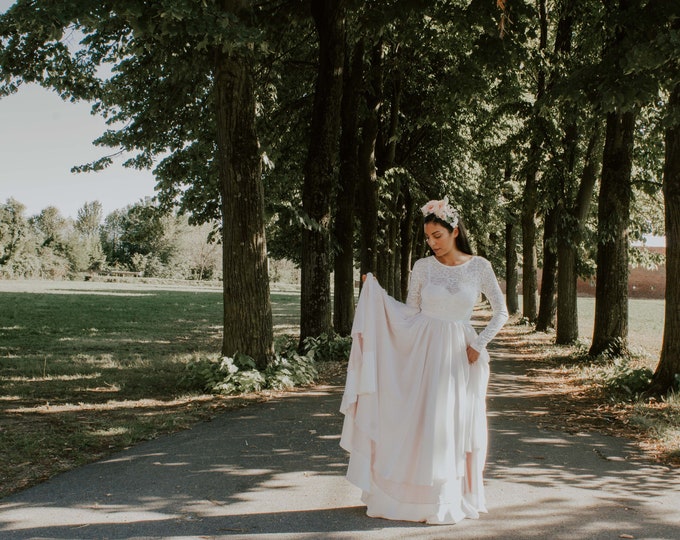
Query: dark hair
(462, 242)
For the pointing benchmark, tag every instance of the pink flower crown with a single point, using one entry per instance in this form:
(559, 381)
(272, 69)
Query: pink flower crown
(443, 210)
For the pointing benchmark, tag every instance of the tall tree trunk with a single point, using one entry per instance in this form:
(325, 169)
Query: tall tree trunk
(529, 257)
(315, 300)
(511, 274)
(611, 292)
(530, 199)
(547, 307)
(610, 331)
(393, 218)
(394, 205)
(247, 308)
(667, 374)
(569, 240)
(511, 259)
(368, 179)
(406, 240)
(343, 305)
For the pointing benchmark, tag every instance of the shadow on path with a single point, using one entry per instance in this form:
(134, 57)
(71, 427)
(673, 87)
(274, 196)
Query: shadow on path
(275, 469)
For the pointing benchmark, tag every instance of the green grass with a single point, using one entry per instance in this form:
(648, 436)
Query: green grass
(90, 368)
(645, 323)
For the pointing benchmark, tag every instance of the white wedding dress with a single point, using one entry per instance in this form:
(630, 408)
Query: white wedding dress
(414, 407)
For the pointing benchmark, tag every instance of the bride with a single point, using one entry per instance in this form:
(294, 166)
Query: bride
(414, 400)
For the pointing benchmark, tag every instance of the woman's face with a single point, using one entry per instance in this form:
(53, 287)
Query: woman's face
(440, 240)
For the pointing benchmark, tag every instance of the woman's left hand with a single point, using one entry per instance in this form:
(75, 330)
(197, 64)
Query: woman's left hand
(472, 354)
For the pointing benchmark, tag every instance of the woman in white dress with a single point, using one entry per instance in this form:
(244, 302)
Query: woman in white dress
(414, 400)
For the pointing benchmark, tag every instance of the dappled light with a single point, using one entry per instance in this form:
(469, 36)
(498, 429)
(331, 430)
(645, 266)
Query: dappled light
(228, 476)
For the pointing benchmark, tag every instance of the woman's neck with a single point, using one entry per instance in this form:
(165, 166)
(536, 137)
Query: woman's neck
(454, 258)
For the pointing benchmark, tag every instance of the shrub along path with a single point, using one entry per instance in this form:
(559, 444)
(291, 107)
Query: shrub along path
(275, 470)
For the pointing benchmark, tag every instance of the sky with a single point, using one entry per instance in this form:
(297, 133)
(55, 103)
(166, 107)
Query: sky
(42, 137)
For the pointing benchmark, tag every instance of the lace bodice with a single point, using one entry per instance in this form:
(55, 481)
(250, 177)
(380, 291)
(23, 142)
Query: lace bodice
(451, 292)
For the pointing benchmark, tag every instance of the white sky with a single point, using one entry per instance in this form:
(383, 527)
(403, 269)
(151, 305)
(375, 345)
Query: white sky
(42, 137)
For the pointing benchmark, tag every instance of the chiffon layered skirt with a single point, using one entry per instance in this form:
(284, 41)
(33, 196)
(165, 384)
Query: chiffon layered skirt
(415, 413)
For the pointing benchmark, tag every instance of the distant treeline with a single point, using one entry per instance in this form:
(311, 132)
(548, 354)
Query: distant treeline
(138, 238)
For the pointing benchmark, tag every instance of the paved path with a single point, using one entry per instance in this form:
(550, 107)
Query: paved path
(275, 471)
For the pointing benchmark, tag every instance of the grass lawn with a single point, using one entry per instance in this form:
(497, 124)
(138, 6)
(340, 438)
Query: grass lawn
(645, 323)
(89, 368)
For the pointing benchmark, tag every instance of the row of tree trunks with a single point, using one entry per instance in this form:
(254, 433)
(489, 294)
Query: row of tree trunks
(554, 215)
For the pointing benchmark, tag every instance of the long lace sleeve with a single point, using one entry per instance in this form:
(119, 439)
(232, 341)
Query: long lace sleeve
(415, 284)
(489, 286)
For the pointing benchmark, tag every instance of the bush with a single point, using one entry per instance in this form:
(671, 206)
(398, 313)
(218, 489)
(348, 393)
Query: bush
(290, 371)
(328, 347)
(623, 378)
(239, 375)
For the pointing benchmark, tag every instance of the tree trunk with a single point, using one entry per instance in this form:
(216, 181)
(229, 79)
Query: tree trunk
(315, 300)
(247, 307)
(569, 239)
(530, 199)
(343, 305)
(511, 274)
(392, 220)
(368, 200)
(667, 374)
(394, 215)
(511, 258)
(611, 293)
(529, 258)
(406, 240)
(547, 307)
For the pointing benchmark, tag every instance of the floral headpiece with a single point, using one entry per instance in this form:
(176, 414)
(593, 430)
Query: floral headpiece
(443, 210)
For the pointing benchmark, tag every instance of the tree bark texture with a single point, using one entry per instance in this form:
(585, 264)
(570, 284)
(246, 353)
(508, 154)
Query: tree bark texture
(511, 274)
(529, 257)
(394, 204)
(547, 307)
(343, 305)
(247, 307)
(319, 182)
(406, 239)
(367, 199)
(530, 199)
(570, 237)
(611, 292)
(667, 373)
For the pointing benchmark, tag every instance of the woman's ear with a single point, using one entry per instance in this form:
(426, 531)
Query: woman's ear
(455, 232)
